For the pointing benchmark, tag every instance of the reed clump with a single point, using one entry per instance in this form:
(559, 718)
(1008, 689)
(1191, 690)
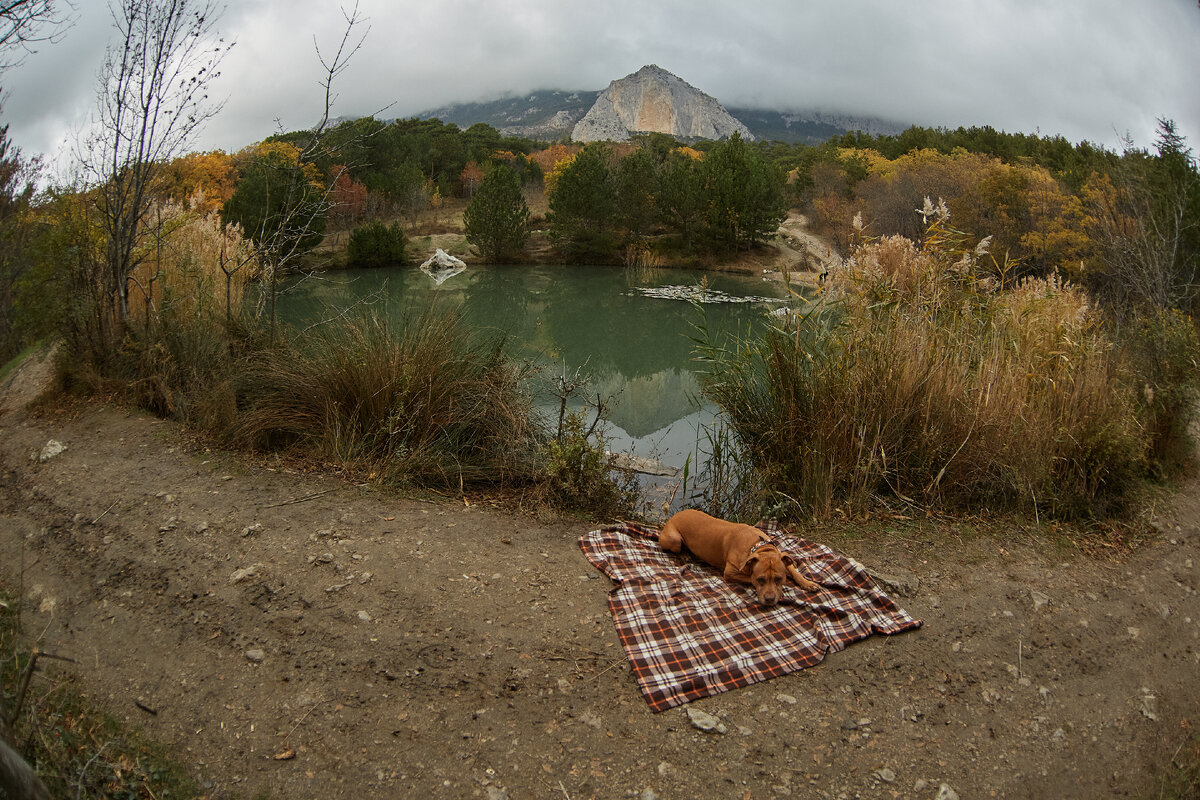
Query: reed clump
(420, 401)
(923, 377)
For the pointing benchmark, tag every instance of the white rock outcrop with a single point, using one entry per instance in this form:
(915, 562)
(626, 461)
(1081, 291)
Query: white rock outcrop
(441, 265)
(654, 100)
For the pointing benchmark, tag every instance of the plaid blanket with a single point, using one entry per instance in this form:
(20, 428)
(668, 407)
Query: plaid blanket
(689, 634)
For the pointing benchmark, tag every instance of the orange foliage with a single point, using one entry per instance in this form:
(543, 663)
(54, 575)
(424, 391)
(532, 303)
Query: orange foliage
(550, 178)
(548, 159)
(347, 199)
(1031, 216)
(205, 180)
(471, 177)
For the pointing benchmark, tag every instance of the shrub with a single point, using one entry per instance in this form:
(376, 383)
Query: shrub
(580, 470)
(419, 402)
(917, 379)
(1163, 351)
(376, 245)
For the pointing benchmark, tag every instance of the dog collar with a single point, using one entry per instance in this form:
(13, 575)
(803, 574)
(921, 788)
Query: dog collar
(759, 544)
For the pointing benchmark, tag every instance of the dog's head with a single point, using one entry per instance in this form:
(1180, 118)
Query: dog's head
(768, 571)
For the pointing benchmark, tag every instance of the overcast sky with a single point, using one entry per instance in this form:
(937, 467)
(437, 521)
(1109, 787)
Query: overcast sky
(1086, 69)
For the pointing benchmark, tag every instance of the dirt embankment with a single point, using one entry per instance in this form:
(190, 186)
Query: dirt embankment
(302, 636)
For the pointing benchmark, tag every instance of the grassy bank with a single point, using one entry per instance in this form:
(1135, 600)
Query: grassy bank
(420, 402)
(920, 380)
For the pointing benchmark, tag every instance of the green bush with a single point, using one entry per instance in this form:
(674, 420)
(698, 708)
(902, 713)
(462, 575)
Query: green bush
(580, 471)
(376, 245)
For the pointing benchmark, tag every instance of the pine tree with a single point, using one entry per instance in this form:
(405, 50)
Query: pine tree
(497, 218)
(583, 207)
(746, 197)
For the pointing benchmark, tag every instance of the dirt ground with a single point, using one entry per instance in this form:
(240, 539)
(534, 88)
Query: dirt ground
(301, 636)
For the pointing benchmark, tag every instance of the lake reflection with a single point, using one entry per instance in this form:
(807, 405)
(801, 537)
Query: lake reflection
(634, 346)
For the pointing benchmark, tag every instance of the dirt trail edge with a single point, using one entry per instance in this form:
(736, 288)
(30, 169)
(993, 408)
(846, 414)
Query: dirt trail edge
(305, 637)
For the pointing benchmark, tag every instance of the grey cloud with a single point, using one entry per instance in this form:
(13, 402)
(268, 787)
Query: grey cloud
(1088, 69)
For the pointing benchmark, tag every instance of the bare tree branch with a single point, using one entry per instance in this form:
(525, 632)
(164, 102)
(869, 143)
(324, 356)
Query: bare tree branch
(152, 99)
(23, 23)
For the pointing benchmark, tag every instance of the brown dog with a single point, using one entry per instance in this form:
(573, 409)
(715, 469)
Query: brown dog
(744, 553)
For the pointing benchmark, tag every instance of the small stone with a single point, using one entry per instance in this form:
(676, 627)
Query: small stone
(946, 793)
(171, 524)
(255, 655)
(1150, 707)
(786, 698)
(664, 769)
(864, 722)
(591, 720)
(49, 450)
(496, 793)
(243, 574)
(1058, 735)
(921, 785)
(886, 775)
(363, 616)
(649, 794)
(899, 582)
(850, 725)
(201, 526)
(1039, 600)
(250, 530)
(705, 722)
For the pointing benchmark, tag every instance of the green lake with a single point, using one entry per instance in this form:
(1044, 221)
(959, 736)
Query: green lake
(631, 335)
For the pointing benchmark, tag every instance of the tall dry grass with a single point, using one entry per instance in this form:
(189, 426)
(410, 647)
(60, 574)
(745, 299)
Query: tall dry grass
(918, 378)
(421, 401)
(191, 261)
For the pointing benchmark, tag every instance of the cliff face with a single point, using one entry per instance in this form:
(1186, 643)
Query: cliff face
(654, 100)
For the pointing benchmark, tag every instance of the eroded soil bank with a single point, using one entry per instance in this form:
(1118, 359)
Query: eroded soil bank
(305, 637)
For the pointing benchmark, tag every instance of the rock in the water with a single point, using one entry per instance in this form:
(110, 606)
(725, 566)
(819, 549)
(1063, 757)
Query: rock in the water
(441, 265)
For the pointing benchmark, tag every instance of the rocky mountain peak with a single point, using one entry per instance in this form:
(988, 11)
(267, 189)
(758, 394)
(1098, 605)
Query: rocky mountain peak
(654, 100)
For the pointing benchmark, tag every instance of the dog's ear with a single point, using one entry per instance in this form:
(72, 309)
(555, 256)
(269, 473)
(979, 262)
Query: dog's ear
(747, 569)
